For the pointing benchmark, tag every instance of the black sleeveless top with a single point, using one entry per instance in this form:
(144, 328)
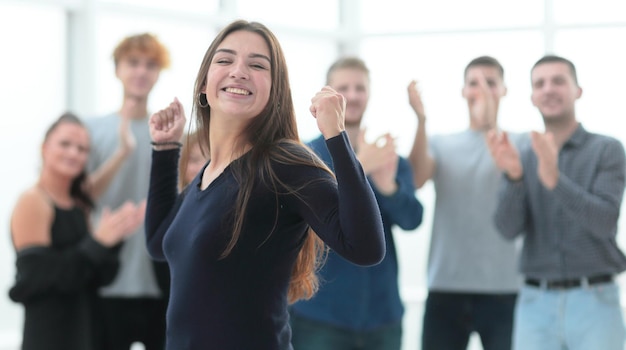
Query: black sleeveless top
(58, 283)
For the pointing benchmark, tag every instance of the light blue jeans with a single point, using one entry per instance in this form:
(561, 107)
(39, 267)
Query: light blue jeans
(584, 318)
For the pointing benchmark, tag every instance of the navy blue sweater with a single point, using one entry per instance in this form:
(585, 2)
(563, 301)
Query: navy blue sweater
(240, 302)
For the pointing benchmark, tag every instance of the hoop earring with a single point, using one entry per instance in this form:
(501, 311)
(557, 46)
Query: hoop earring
(206, 102)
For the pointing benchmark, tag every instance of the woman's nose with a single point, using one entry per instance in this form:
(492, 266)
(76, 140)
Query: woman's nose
(239, 71)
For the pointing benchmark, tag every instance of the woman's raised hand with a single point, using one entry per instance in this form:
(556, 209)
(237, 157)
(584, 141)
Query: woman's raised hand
(329, 108)
(167, 124)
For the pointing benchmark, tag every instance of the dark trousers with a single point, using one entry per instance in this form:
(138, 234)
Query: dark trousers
(124, 321)
(450, 319)
(313, 335)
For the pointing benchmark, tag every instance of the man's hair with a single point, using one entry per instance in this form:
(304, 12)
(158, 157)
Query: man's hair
(484, 61)
(557, 59)
(145, 43)
(347, 62)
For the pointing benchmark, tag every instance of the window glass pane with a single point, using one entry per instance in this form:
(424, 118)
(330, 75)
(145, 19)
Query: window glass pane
(32, 87)
(584, 11)
(34, 73)
(400, 15)
(307, 75)
(186, 43)
(319, 14)
(194, 6)
(601, 73)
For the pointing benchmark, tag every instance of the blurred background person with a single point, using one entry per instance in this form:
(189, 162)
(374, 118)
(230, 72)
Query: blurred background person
(563, 194)
(360, 307)
(134, 304)
(472, 276)
(61, 260)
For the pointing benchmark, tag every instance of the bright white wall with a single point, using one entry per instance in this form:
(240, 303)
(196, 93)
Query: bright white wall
(32, 91)
(430, 41)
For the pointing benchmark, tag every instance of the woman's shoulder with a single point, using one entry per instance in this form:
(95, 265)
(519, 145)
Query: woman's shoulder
(31, 218)
(34, 199)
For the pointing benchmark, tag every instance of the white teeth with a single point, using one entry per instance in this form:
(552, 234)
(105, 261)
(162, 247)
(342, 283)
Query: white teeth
(237, 91)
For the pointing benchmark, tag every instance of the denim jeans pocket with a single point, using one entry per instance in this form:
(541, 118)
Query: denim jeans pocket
(529, 295)
(607, 293)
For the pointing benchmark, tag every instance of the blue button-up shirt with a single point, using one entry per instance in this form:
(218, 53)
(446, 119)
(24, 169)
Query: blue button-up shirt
(365, 298)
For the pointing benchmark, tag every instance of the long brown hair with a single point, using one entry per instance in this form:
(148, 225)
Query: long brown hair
(274, 137)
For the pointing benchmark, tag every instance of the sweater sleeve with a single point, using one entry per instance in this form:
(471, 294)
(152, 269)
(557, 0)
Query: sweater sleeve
(163, 200)
(42, 270)
(344, 214)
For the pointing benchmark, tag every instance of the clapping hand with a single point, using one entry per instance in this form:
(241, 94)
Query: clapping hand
(379, 161)
(483, 108)
(504, 154)
(118, 224)
(127, 139)
(415, 100)
(547, 152)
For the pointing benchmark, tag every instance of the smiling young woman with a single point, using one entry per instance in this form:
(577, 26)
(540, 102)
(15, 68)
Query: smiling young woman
(247, 236)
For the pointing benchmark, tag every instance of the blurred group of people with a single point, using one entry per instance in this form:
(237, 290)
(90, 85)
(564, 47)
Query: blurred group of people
(236, 234)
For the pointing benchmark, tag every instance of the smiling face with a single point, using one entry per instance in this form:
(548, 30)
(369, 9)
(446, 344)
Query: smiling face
(554, 91)
(239, 79)
(66, 149)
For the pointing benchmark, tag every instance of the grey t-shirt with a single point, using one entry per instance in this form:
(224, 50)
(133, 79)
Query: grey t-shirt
(136, 277)
(467, 254)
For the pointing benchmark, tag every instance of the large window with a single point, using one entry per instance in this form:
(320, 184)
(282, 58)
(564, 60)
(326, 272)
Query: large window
(399, 17)
(33, 89)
